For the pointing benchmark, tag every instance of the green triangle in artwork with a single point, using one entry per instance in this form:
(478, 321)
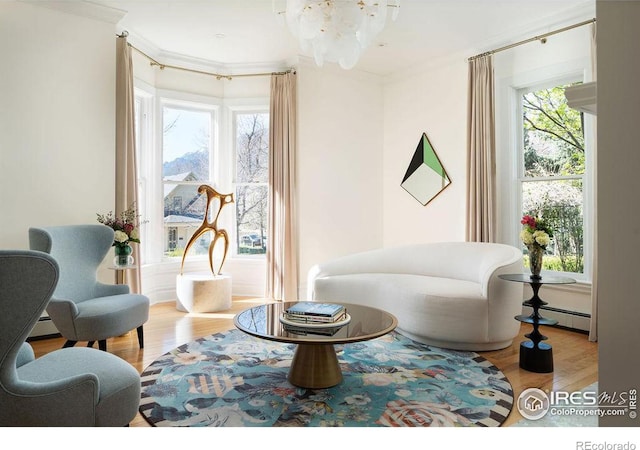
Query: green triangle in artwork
(430, 158)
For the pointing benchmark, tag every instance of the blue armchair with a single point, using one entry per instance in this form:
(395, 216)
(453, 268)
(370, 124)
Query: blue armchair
(82, 308)
(67, 387)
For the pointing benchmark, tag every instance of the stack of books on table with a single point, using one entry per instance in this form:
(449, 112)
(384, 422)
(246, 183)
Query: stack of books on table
(315, 313)
(309, 318)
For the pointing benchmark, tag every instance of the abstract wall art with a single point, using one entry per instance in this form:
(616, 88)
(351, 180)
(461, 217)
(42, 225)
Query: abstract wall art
(426, 177)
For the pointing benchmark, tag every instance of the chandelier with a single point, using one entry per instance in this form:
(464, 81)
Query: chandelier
(338, 30)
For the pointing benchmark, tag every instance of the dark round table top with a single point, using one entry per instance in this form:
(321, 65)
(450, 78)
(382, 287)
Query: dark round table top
(526, 278)
(365, 323)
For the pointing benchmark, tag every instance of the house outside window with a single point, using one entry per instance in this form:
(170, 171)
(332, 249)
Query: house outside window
(173, 238)
(552, 174)
(187, 163)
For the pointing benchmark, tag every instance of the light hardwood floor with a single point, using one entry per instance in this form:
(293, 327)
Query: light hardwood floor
(575, 358)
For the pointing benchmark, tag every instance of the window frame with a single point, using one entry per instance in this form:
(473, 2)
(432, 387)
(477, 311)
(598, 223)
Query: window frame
(198, 104)
(518, 172)
(233, 108)
(222, 164)
(144, 100)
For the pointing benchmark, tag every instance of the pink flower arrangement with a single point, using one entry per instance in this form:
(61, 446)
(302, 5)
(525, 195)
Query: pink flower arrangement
(125, 226)
(535, 232)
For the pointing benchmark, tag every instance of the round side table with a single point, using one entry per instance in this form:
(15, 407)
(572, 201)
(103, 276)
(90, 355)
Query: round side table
(535, 355)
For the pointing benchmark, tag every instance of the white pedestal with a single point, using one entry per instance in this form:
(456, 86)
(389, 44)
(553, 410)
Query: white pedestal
(202, 292)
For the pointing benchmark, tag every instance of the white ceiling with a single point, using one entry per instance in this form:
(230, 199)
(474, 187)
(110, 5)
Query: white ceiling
(240, 34)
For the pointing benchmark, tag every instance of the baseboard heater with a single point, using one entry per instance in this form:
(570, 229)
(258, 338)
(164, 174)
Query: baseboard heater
(566, 311)
(579, 325)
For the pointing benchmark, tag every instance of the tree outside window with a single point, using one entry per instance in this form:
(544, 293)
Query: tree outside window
(252, 178)
(553, 172)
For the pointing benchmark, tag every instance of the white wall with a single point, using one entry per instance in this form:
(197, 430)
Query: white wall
(618, 187)
(340, 135)
(432, 102)
(57, 116)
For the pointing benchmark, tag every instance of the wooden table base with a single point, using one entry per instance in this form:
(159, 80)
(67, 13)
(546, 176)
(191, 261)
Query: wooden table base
(315, 366)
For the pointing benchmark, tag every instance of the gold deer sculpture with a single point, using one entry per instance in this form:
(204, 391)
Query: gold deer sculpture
(211, 226)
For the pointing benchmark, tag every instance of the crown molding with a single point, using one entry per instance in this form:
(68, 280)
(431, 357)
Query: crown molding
(192, 63)
(570, 16)
(82, 8)
(308, 63)
(580, 13)
(423, 67)
(188, 62)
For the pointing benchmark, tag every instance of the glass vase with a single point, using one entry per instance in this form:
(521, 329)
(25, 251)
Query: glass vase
(123, 255)
(535, 261)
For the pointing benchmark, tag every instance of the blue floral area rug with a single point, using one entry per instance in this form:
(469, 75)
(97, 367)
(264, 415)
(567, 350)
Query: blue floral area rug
(232, 379)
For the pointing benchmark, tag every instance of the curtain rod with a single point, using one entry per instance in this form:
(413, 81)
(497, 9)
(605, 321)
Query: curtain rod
(218, 76)
(542, 38)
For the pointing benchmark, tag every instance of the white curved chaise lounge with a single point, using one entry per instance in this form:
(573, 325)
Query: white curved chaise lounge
(443, 294)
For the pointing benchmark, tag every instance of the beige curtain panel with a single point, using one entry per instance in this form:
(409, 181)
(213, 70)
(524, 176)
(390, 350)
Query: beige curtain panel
(481, 152)
(126, 173)
(282, 249)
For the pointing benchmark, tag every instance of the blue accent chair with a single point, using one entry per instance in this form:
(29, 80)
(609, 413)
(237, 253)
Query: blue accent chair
(71, 387)
(82, 308)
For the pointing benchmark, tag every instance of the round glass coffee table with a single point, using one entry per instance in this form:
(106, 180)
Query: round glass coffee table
(315, 364)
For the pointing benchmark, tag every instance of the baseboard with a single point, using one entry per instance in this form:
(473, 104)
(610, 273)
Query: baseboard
(159, 280)
(43, 337)
(574, 330)
(44, 329)
(566, 319)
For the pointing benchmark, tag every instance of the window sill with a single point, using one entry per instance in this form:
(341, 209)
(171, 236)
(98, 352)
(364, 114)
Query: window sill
(204, 262)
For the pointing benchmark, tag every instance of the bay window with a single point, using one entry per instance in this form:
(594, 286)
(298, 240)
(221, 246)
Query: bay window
(185, 141)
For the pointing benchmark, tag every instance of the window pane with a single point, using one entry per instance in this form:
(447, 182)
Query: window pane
(186, 144)
(252, 148)
(559, 203)
(186, 151)
(183, 214)
(252, 176)
(553, 134)
(251, 219)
